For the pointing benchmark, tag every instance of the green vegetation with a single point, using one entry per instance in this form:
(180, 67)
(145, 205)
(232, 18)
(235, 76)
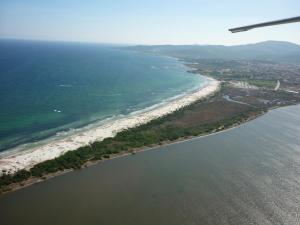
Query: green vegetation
(200, 118)
(263, 83)
(156, 132)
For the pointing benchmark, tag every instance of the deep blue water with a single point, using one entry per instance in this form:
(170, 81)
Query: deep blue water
(46, 87)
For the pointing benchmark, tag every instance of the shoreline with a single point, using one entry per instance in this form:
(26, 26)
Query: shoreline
(35, 180)
(14, 162)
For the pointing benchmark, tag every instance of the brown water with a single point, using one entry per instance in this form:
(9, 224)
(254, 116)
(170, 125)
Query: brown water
(248, 175)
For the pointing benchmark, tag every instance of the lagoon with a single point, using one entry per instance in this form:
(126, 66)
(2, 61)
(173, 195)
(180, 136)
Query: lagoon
(247, 175)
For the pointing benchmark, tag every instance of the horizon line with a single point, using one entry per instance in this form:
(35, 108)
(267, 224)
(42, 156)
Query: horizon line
(131, 44)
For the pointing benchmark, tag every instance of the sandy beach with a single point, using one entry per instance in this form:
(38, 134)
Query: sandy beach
(26, 159)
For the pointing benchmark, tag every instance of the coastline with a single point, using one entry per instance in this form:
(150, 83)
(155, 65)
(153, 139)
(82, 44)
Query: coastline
(35, 180)
(26, 159)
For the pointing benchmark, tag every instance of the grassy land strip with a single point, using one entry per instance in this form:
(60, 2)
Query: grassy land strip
(263, 83)
(200, 118)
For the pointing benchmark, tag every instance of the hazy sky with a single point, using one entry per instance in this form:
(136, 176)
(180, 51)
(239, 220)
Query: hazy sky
(147, 22)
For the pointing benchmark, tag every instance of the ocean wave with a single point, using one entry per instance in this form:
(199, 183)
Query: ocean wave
(109, 127)
(65, 85)
(97, 120)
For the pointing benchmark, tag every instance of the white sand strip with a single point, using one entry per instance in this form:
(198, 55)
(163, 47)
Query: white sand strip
(27, 159)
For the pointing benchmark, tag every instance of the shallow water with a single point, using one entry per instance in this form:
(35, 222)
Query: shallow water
(248, 175)
(50, 87)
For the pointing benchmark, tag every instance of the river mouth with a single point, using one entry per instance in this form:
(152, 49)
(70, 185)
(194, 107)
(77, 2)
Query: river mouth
(247, 175)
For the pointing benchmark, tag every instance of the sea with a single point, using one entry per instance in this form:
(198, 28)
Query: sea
(52, 89)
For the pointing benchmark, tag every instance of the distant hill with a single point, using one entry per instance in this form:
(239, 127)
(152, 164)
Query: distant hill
(278, 51)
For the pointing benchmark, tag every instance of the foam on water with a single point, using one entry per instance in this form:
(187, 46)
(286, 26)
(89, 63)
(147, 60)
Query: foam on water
(98, 123)
(59, 87)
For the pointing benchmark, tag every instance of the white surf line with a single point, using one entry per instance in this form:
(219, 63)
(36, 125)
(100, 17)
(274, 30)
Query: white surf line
(27, 159)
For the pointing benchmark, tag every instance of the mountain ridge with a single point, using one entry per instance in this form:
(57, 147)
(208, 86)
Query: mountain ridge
(279, 51)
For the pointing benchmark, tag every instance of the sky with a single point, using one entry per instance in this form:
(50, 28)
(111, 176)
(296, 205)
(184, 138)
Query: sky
(147, 21)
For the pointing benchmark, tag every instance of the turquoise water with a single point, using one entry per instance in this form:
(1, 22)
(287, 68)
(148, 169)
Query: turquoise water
(47, 87)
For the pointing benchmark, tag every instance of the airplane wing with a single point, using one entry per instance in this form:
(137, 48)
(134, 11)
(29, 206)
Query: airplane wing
(271, 23)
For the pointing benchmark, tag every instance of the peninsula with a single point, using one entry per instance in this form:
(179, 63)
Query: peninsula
(239, 90)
